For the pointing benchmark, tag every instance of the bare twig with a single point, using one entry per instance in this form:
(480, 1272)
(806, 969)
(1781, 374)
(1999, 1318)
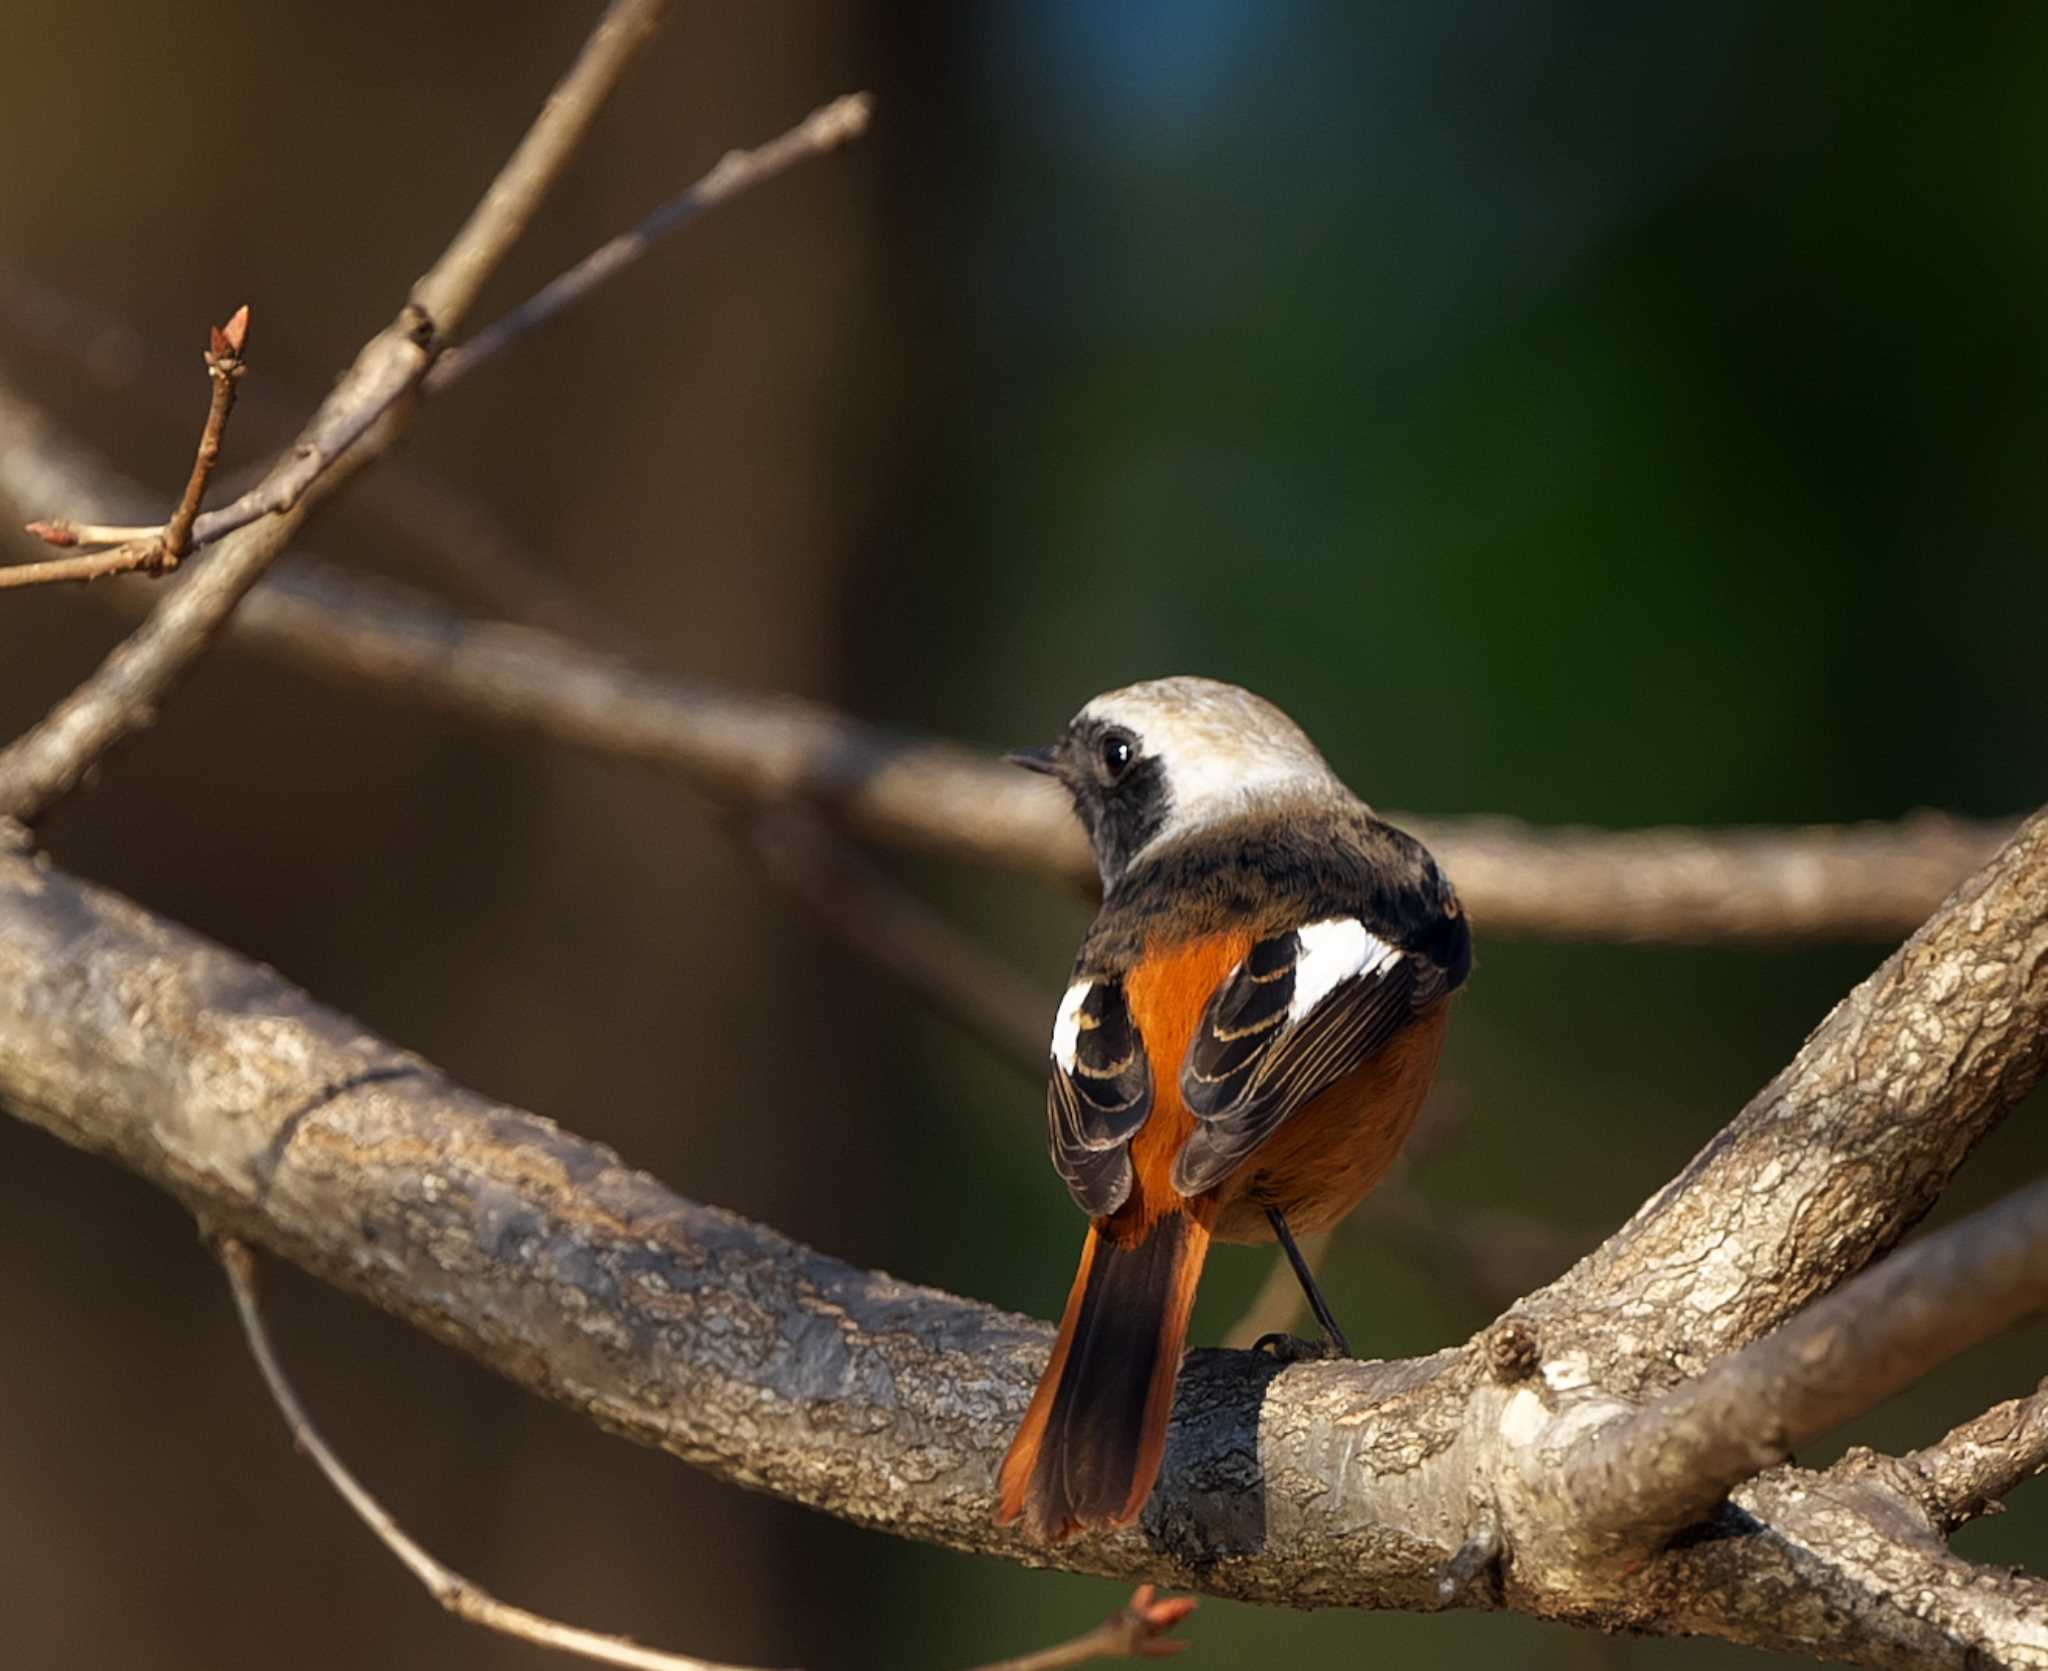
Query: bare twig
(824, 130)
(459, 1595)
(1651, 1474)
(445, 294)
(393, 364)
(139, 556)
(120, 696)
(1137, 1630)
(143, 550)
(224, 366)
(64, 533)
(451, 285)
(123, 693)
(953, 973)
(1973, 1469)
(394, 361)
(457, 537)
(1868, 881)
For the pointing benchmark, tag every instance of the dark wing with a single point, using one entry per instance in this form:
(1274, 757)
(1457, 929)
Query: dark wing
(1300, 1012)
(1098, 1096)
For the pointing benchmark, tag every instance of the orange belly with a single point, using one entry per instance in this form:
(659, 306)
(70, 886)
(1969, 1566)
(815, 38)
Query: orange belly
(1326, 1156)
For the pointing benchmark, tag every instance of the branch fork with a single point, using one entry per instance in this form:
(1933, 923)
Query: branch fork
(158, 550)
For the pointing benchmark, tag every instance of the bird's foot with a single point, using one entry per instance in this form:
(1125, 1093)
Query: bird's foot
(1289, 1348)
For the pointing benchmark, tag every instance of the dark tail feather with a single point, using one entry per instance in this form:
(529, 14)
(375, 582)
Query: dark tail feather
(1090, 1445)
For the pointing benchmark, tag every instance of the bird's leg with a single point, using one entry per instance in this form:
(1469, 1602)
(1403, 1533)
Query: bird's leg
(1333, 1344)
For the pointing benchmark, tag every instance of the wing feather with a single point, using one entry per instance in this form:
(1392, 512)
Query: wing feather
(1097, 1094)
(1301, 1011)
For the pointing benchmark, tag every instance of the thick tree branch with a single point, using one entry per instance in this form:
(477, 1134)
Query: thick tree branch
(1808, 1561)
(1842, 1153)
(1642, 1479)
(776, 1367)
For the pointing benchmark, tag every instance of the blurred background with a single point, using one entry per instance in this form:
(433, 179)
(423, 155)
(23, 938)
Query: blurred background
(1586, 412)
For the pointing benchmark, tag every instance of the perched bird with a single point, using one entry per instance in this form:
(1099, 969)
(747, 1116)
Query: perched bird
(1254, 1019)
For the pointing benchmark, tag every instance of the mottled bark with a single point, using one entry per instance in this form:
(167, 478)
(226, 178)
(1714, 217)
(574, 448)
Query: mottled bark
(1647, 1477)
(775, 1367)
(1839, 1156)
(1970, 1470)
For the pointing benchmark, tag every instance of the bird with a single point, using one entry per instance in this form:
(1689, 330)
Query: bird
(1254, 1019)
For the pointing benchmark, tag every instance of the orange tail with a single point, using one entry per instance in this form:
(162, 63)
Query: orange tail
(1091, 1443)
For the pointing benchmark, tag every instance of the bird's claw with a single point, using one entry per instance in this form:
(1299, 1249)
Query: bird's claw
(1288, 1348)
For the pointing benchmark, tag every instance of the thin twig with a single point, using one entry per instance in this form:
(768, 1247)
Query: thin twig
(440, 299)
(139, 557)
(1973, 1469)
(457, 537)
(823, 131)
(1137, 1630)
(63, 532)
(459, 1595)
(352, 428)
(146, 550)
(952, 972)
(224, 366)
(391, 365)
(444, 294)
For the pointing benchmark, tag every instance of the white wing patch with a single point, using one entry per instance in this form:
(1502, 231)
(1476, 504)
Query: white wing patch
(1066, 1026)
(1333, 951)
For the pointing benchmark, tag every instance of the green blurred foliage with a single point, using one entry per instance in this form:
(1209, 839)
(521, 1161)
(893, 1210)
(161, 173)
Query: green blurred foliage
(1587, 412)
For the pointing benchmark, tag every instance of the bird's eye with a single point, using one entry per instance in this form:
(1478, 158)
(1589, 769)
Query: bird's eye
(1117, 754)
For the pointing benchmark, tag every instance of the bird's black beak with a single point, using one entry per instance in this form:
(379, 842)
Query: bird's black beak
(1045, 760)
